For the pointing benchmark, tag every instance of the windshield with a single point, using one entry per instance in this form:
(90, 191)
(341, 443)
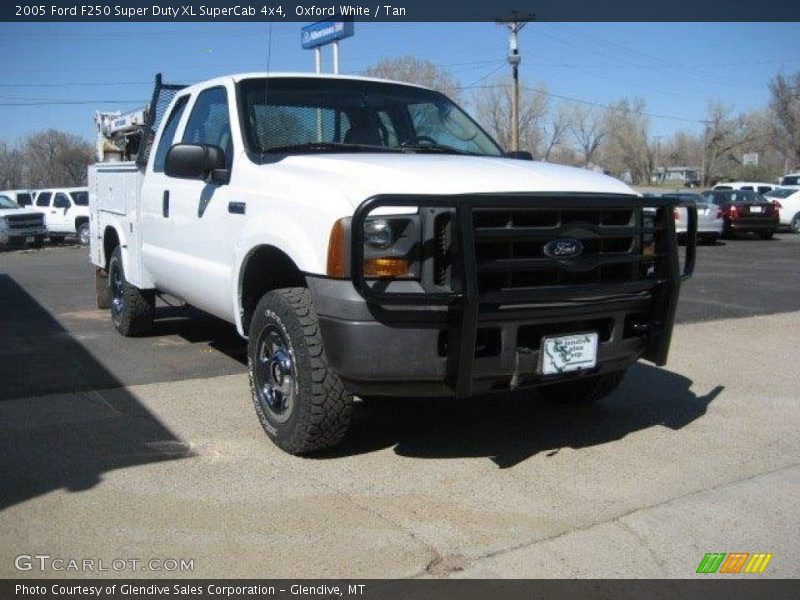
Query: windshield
(80, 198)
(780, 193)
(6, 202)
(288, 115)
(735, 196)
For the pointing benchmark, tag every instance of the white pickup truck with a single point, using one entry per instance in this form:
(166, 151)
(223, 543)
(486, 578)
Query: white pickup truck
(368, 237)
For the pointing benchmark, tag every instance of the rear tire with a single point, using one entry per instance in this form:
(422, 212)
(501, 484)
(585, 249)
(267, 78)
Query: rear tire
(57, 239)
(299, 399)
(132, 309)
(583, 391)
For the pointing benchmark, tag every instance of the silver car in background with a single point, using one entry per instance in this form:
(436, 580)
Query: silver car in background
(709, 219)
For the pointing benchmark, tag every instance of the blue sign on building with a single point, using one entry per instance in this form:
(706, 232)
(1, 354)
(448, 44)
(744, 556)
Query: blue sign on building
(325, 32)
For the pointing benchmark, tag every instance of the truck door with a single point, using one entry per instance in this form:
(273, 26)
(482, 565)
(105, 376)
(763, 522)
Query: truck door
(43, 200)
(203, 238)
(61, 215)
(158, 219)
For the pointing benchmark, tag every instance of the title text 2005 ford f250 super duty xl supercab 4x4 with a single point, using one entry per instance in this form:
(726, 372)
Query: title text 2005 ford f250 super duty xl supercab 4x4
(368, 237)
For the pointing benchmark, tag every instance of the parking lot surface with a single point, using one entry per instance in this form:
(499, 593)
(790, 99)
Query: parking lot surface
(149, 448)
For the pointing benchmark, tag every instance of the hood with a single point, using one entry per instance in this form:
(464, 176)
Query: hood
(19, 211)
(356, 177)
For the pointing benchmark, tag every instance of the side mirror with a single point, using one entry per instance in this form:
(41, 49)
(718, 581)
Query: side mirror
(519, 155)
(197, 161)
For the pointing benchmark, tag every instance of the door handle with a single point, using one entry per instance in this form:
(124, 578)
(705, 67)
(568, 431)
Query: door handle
(165, 204)
(237, 208)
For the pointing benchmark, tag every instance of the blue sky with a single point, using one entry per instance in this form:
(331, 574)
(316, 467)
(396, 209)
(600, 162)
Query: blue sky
(676, 67)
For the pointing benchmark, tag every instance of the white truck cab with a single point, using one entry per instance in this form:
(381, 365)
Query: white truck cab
(368, 237)
(66, 212)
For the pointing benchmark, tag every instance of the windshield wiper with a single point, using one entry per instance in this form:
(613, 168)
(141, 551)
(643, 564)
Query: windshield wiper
(432, 147)
(326, 147)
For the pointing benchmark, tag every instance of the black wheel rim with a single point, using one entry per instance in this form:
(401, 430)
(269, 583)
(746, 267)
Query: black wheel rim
(274, 374)
(796, 224)
(116, 283)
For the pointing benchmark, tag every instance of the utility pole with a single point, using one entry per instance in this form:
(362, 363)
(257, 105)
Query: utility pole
(515, 25)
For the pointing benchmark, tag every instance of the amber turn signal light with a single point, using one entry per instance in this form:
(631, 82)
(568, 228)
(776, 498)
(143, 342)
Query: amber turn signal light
(386, 267)
(337, 251)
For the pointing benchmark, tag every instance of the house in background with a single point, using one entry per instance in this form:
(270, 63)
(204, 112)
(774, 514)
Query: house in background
(689, 176)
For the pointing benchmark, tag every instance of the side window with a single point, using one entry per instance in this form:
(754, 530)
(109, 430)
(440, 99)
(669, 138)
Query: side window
(24, 199)
(763, 189)
(61, 201)
(747, 187)
(43, 199)
(209, 122)
(168, 134)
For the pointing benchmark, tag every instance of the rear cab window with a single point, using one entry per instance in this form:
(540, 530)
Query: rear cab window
(80, 198)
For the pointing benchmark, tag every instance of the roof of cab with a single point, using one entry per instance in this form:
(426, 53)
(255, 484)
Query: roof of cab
(237, 77)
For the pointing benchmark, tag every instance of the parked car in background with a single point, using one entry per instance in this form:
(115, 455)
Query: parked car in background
(790, 179)
(22, 197)
(709, 218)
(787, 201)
(759, 187)
(20, 226)
(66, 212)
(744, 211)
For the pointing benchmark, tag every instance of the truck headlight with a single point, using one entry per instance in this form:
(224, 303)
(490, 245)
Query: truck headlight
(391, 248)
(378, 233)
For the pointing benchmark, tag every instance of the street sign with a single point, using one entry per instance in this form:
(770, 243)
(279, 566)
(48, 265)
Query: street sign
(325, 32)
(750, 159)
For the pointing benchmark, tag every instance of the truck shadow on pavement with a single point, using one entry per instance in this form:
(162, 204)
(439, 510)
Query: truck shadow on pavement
(64, 419)
(511, 428)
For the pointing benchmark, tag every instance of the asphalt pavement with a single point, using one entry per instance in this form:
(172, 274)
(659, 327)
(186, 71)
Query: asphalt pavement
(149, 448)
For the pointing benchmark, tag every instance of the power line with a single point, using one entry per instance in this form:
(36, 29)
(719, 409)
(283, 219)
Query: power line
(590, 103)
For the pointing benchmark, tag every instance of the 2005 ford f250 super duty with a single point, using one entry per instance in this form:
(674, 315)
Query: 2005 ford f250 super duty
(368, 237)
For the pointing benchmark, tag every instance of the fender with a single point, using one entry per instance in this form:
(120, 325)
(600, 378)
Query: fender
(288, 236)
(123, 242)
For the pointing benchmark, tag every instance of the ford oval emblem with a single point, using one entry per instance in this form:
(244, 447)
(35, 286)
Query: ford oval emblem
(563, 248)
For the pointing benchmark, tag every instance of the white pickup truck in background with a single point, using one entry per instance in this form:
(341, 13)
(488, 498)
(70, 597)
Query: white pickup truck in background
(368, 237)
(20, 226)
(66, 212)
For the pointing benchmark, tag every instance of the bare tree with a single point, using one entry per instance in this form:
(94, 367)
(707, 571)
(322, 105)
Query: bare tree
(629, 147)
(56, 158)
(11, 172)
(493, 110)
(785, 107)
(416, 70)
(554, 131)
(726, 135)
(587, 129)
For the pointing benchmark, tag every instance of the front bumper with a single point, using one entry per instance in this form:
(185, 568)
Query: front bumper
(409, 339)
(20, 238)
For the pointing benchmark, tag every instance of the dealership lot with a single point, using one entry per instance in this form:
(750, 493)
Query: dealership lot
(149, 448)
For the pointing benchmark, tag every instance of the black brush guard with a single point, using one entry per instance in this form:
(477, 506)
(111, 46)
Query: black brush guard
(465, 299)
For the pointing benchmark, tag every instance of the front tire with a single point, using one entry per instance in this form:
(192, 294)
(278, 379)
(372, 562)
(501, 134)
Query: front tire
(583, 391)
(299, 399)
(132, 309)
(794, 224)
(83, 234)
